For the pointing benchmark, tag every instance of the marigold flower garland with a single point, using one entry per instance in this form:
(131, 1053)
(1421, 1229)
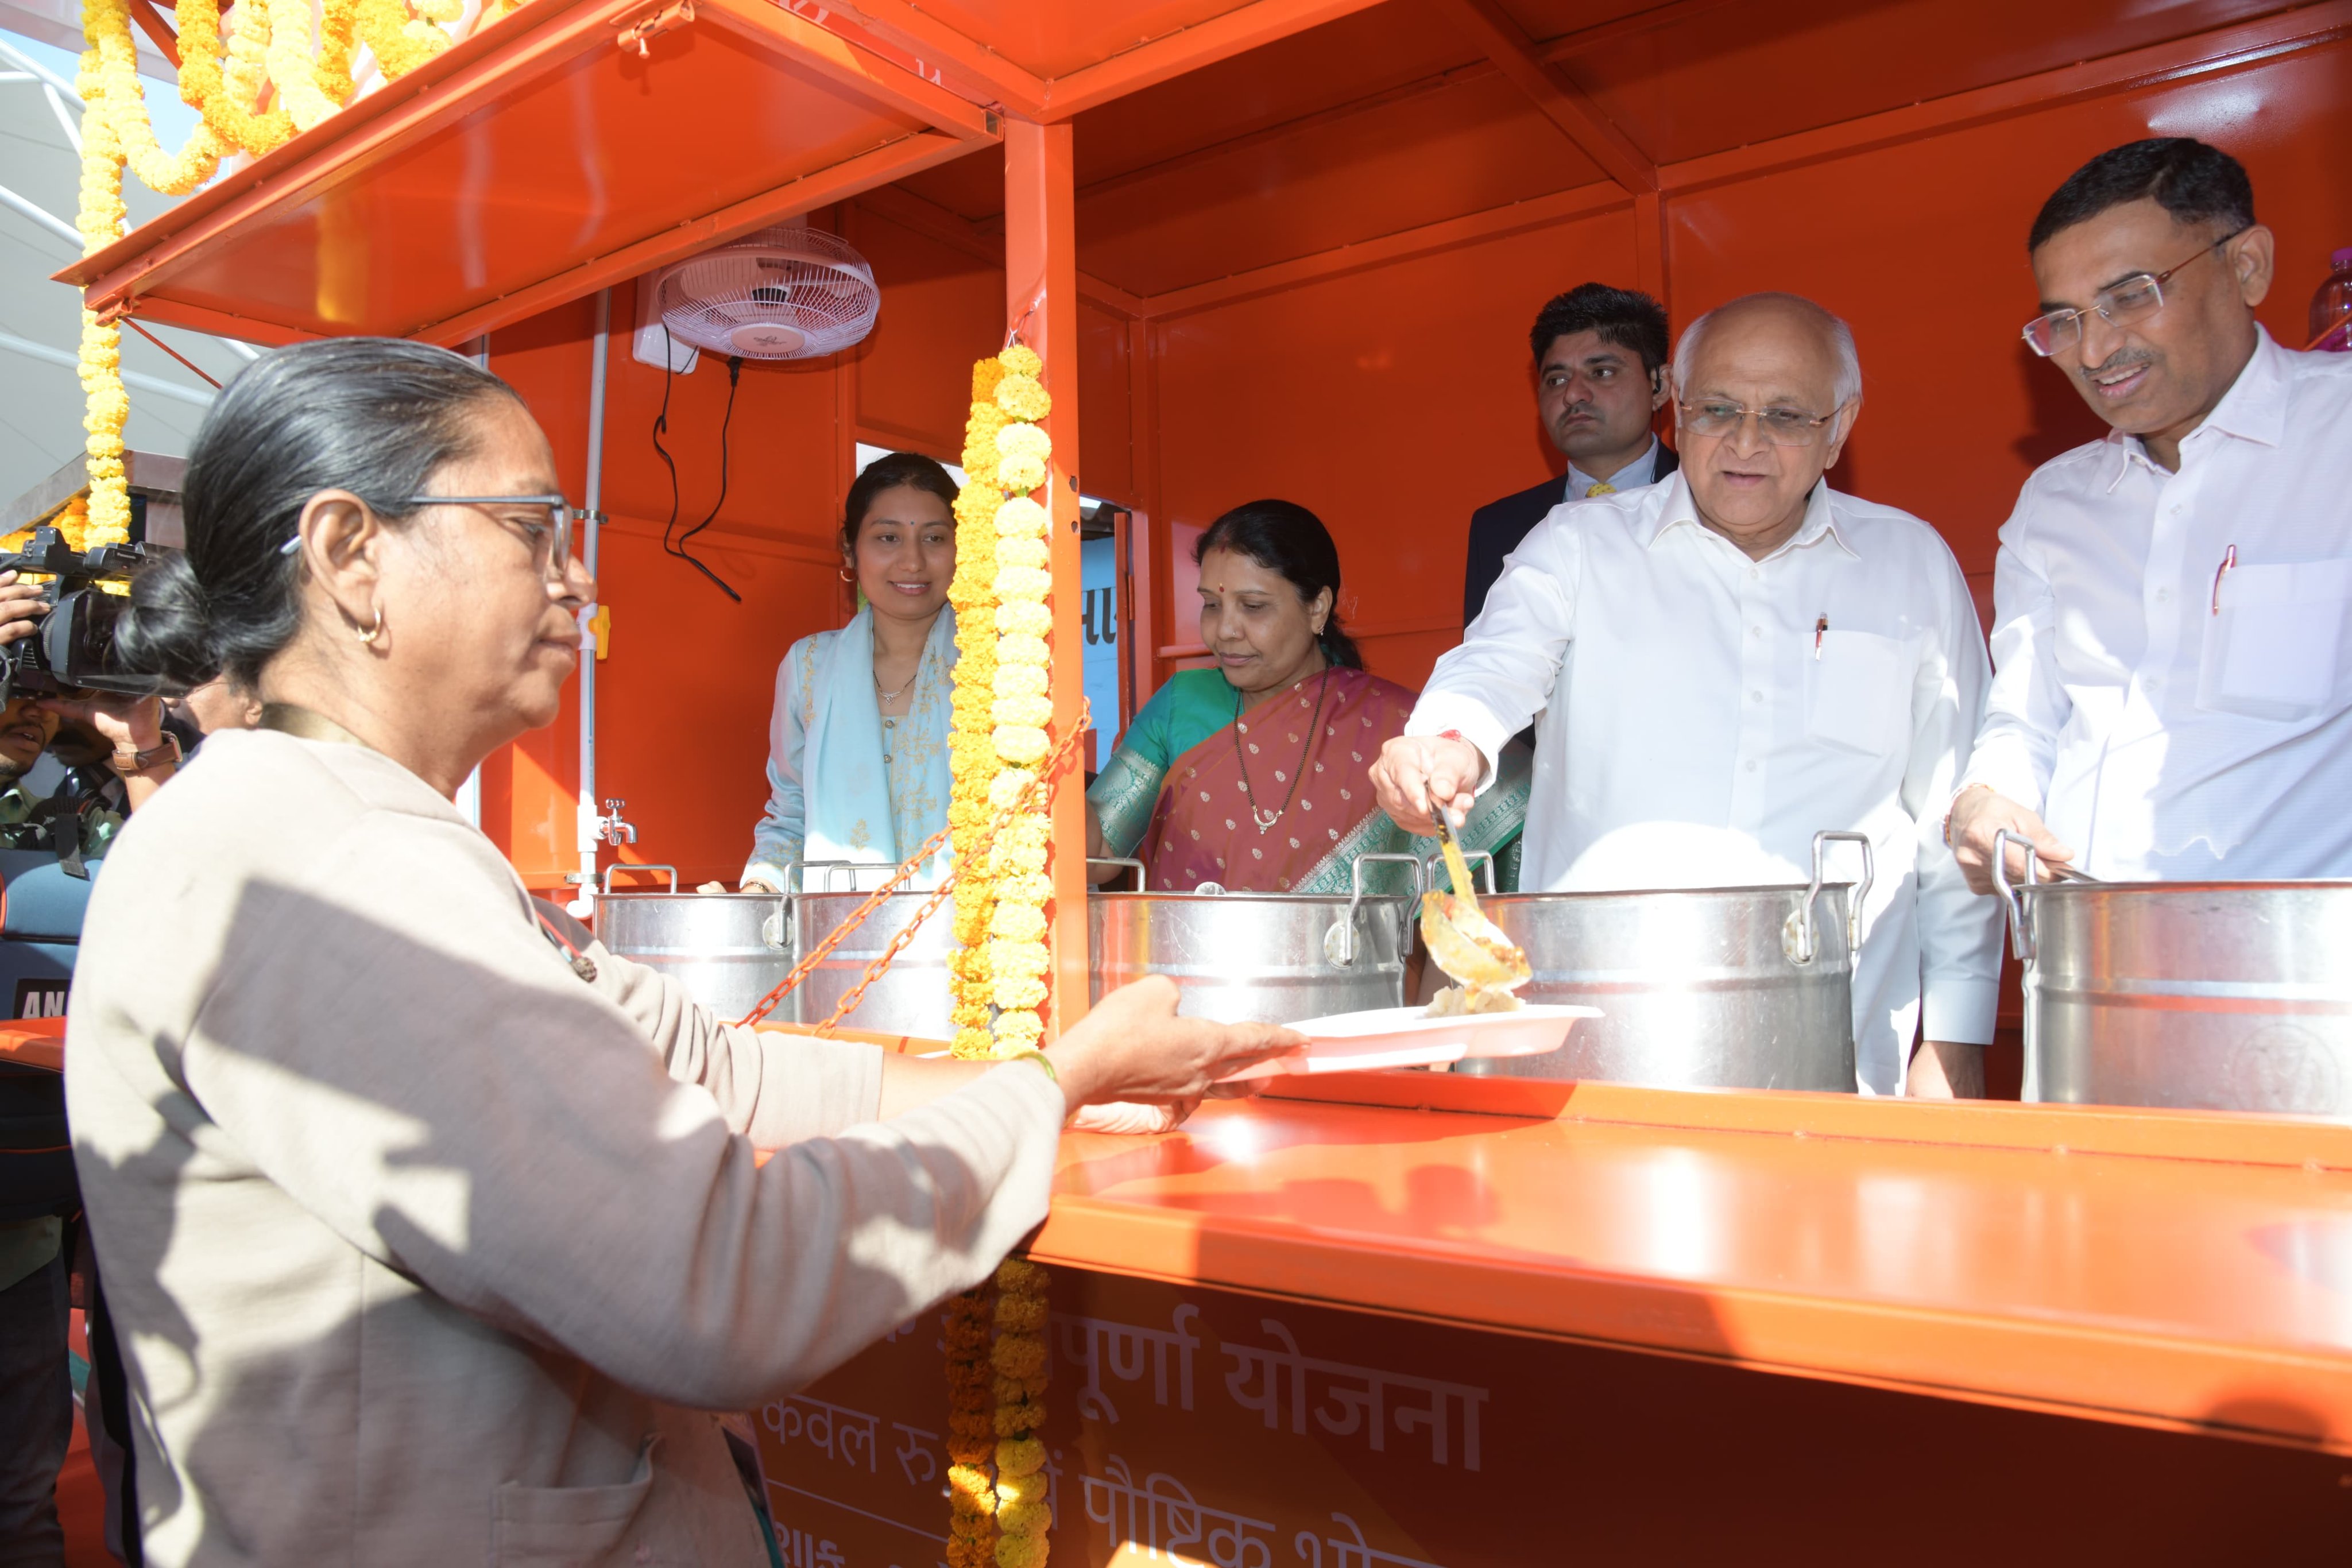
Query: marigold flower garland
(269, 46)
(997, 738)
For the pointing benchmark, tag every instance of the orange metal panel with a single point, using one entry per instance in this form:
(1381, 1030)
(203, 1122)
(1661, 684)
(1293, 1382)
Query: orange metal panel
(1715, 79)
(1464, 147)
(1555, 95)
(545, 163)
(1204, 44)
(2186, 1293)
(1041, 303)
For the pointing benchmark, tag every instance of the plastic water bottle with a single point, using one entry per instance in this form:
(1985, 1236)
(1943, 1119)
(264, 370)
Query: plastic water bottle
(2331, 308)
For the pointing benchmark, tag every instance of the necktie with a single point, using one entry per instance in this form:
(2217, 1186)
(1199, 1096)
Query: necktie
(1603, 488)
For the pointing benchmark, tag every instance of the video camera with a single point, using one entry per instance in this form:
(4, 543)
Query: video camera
(73, 648)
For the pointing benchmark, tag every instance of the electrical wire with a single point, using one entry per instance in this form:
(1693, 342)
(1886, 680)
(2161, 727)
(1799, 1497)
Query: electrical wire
(726, 422)
(661, 428)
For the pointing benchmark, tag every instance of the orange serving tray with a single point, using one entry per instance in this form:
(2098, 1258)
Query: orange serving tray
(2172, 1269)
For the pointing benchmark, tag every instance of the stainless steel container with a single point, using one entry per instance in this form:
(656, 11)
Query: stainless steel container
(909, 997)
(728, 949)
(2222, 996)
(1263, 958)
(1741, 987)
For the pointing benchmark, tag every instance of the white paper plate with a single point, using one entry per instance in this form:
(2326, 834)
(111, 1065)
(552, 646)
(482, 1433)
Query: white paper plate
(1409, 1036)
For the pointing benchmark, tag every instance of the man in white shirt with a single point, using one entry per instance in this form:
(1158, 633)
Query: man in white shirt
(2174, 692)
(1728, 663)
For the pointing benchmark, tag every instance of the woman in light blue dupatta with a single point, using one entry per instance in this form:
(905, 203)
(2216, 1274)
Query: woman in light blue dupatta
(857, 748)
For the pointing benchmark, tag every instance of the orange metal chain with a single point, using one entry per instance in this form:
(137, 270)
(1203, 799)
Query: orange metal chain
(1042, 780)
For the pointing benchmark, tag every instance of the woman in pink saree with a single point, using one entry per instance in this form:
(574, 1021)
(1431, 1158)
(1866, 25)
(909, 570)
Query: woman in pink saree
(1253, 775)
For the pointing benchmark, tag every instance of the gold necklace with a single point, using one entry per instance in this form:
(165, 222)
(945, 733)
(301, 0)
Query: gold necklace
(1265, 819)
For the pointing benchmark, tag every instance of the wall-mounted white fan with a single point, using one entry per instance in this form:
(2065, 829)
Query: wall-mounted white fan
(790, 292)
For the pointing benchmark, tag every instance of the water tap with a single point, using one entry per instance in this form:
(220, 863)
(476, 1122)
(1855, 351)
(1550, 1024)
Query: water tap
(613, 828)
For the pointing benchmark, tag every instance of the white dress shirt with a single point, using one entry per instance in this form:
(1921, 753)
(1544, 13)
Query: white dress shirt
(1643, 470)
(1691, 737)
(2169, 719)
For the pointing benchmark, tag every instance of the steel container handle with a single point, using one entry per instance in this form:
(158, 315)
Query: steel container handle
(2012, 894)
(1806, 946)
(1143, 882)
(828, 867)
(1429, 867)
(633, 866)
(1340, 942)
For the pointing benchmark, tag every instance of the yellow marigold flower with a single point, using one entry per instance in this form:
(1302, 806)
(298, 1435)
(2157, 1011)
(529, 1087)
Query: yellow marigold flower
(977, 503)
(1020, 359)
(1016, 998)
(1029, 1517)
(1022, 743)
(1020, 1277)
(1020, 1551)
(1026, 1488)
(1031, 890)
(1017, 923)
(972, 1483)
(1023, 397)
(980, 455)
(1017, 958)
(1020, 472)
(970, 1043)
(985, 375)
(1022, 650)
(1011, 1388)
(1018, 1356)
(1019, 1456)
(1021, 517)
(1020, 681)
(1015, 583)
(1024, 440)
(1026, 553)
(1005, 785)
(1015, 1421)
(1026, 620)
(1021, 1311)
(986, 419)
(1013, 713)
(1021, 1030)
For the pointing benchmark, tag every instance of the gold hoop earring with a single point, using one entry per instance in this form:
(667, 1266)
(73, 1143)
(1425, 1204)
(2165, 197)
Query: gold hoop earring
(848, 576)
(373, 632)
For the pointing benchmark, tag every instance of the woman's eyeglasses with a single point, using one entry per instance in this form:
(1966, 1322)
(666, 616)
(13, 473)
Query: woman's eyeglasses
(550, 533)
(2136, 299)
(551, 539)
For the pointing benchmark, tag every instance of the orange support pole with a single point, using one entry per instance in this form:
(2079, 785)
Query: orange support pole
(1041, 303)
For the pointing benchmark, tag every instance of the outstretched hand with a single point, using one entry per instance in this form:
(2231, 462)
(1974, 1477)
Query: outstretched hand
(1131, 1046)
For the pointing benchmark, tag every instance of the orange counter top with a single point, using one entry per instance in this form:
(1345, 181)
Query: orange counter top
(2172, 1268)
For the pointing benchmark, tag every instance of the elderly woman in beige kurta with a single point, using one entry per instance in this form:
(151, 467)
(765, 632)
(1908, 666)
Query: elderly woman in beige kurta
(430, 1227)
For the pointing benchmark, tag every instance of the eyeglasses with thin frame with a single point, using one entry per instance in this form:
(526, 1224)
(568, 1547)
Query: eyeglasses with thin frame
(1780, 426)
(2136, 299)
(551, 541)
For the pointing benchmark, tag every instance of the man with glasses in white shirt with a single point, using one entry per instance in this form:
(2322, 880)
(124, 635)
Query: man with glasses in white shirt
(1727, 663)
(2174, 695)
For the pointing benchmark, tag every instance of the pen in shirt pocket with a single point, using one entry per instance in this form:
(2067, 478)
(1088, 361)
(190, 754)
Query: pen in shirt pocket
(1821, 630)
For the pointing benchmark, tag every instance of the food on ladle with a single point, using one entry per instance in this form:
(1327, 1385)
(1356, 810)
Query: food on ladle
(1470, 947)
(1460, 1001)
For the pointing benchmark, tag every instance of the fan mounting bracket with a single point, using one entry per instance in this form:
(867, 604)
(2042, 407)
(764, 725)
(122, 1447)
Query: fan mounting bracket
(652, 25)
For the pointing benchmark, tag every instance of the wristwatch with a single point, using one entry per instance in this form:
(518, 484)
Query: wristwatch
(129, 764)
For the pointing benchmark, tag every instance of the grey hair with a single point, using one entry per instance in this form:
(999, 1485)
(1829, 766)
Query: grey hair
(1846, 388)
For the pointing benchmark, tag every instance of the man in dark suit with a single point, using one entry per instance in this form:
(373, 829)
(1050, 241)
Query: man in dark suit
(1601, 372)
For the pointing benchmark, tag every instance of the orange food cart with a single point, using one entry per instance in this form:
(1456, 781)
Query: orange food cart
(1291, 247)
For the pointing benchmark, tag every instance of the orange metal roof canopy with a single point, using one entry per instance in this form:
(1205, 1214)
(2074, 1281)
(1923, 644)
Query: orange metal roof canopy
(538, 162)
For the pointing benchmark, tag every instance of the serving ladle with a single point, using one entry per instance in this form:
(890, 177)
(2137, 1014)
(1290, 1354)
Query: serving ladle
(1470, 948)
